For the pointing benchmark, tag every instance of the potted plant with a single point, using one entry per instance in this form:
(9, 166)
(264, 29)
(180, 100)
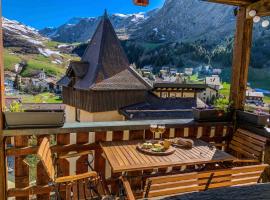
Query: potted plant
(219, 112)
(17, 117)
(254, 116)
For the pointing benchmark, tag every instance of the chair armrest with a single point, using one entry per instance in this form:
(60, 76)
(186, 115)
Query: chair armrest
(65, 179)
(129, 193)
(71, 155)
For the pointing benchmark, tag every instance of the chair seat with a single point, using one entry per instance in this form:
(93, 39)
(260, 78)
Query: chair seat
(76, 177)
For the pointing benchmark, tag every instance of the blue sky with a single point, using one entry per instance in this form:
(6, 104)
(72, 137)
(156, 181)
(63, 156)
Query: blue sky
(48, 13)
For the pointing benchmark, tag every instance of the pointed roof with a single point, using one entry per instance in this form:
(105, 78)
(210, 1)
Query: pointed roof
(108, 66)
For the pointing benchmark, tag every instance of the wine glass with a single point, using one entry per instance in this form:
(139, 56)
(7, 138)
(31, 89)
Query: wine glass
(153, 129)
(161, 130)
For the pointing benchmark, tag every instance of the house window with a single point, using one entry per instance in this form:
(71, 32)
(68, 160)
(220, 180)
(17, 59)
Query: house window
(77, 115)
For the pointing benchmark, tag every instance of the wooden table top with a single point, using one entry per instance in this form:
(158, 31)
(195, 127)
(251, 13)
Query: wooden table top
(123, 156)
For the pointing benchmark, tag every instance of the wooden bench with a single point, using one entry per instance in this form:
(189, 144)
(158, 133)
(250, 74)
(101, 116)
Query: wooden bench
(197, 181)
(247, 146)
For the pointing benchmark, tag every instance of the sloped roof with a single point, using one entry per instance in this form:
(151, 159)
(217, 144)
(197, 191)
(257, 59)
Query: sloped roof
(160, 108)
(124, 80)
(79, 68)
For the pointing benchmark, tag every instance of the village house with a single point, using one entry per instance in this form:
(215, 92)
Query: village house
(214, 81)
(188, 71)
(253, 97)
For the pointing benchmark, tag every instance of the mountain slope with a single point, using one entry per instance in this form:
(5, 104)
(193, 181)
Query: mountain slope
(26, 47)
(82, 29)
(188, 20)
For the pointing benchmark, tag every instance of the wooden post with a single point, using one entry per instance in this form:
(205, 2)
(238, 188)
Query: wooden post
(241, 59)
(3, 167)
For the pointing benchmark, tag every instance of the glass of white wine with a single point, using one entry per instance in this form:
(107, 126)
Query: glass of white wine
(161, 130)
(153, 129)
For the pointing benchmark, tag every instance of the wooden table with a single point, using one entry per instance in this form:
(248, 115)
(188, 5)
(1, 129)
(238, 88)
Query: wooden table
(123, 156)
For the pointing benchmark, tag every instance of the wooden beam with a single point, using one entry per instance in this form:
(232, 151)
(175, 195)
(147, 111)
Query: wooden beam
(232, 2)
(3, 172)
(262, 7)
(241, 59)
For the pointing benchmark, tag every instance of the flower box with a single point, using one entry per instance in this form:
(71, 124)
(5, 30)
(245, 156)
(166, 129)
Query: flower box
(210, 115)
(259, 120)
(34, 119)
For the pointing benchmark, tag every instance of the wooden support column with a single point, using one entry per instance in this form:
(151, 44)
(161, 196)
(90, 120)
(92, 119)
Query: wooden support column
(3, 167)
(241, 59)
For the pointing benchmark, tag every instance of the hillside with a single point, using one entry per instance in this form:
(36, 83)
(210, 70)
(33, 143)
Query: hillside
(26, 47)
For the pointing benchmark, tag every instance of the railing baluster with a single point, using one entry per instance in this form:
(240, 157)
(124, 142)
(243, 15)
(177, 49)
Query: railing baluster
(136, 134)
(21, 167)
(63, 164)
(81, 163)
(99, 160)
(179, 132)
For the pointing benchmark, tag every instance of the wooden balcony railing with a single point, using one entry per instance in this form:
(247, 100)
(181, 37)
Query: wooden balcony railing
(82, 136)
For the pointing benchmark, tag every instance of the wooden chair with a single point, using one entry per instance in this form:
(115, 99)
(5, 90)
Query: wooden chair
(197, 181)
(247, 147)
(82, 186)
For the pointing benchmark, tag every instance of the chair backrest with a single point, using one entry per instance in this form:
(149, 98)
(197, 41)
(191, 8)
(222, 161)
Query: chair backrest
(45, 155)
(245, 144)
(200, 181)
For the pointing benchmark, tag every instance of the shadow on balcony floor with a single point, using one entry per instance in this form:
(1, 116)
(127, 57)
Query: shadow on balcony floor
(254, 192)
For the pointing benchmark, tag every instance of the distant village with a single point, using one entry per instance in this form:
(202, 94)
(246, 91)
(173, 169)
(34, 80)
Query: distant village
(38, 83)
(206, 75)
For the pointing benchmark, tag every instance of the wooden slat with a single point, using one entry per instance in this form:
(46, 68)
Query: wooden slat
(42, 176)
(246, 148)
(242, 152)
(127, 188)
(248, 144)
(249, 139)
(55, 149)
(170, 191)
(81, 192)
(68, 191)
(75, 190)
(233, 2)
(174, 184)
(252, 135)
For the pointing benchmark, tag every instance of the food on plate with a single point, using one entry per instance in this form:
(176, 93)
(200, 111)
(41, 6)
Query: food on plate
(158, 145)
(158, 149)
(166, 144)
(147, 145)
(186, 143)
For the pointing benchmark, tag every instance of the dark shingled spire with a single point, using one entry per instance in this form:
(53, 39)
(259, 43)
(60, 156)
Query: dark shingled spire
(108, 66)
